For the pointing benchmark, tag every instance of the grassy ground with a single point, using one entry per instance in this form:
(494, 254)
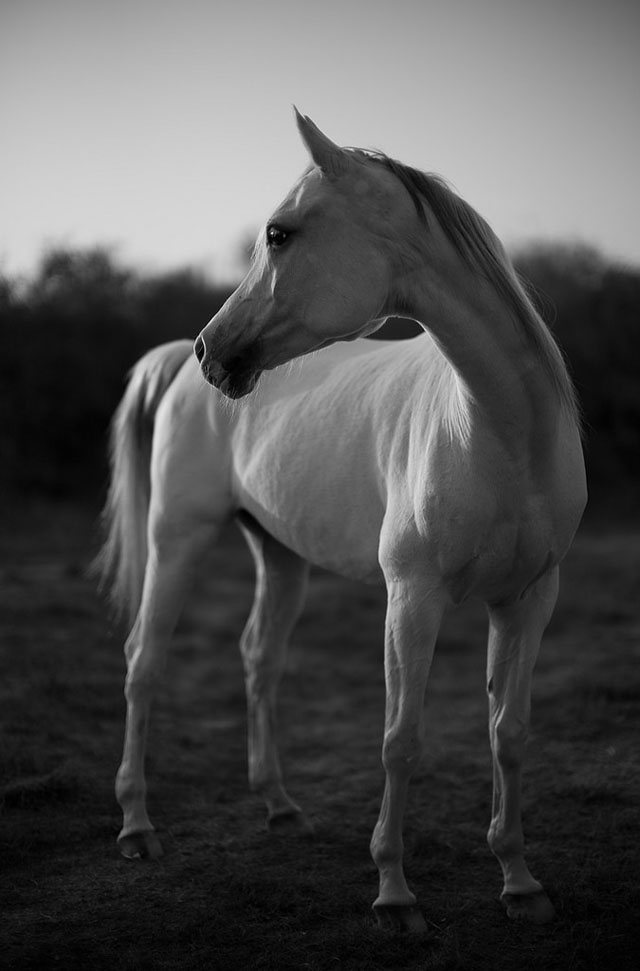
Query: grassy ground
(228, 896)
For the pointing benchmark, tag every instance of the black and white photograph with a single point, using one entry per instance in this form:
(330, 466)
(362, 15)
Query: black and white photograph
(319, 485)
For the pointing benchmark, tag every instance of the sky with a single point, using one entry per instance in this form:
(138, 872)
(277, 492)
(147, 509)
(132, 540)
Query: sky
(165, 128)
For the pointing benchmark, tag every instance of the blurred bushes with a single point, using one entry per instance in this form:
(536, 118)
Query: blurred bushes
(593, 309)
(69, 335)
(67, 339)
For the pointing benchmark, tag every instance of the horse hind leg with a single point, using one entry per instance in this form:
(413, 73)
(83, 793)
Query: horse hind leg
(176, 547)
(281, 583)
(514, 641)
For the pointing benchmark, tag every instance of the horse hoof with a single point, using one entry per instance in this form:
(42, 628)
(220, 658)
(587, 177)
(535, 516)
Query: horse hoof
(536, 908)
(140, 846)
(400, 918)
(289, 823)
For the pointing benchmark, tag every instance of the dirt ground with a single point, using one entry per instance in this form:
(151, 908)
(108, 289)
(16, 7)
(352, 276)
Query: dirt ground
(227, 895)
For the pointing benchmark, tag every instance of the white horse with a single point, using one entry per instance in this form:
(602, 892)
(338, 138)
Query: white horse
(449, 465)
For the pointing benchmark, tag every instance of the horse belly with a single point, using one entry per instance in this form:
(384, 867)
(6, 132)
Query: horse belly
(319, 510)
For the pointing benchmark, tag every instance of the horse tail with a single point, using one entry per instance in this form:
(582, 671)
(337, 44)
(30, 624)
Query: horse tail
(122, 559)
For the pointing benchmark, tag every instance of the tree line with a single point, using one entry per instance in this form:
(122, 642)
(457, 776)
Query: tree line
(70, 333)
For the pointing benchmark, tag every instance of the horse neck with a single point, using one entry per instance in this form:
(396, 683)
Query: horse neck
(498, 368)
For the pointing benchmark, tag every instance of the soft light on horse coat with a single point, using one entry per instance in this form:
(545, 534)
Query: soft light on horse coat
(448, 466)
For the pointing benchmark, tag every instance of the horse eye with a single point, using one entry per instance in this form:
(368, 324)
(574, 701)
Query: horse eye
(276, 237)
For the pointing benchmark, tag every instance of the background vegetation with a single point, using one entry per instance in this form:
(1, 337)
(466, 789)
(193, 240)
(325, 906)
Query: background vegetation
(69, 334)
(593, 308)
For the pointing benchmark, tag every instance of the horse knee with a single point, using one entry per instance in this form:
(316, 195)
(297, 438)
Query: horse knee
(144, 674)
(509, 739)
(401, 750)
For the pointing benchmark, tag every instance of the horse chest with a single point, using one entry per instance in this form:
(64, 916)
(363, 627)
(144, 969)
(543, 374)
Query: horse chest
(482, 541)
(499, 559)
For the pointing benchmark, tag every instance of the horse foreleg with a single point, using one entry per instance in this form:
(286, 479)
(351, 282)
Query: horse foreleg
(413, 620)
(514, 641)
(174, 552)
(281, 582)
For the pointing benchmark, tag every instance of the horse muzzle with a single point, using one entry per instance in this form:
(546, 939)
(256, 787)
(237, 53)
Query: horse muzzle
(235, 379)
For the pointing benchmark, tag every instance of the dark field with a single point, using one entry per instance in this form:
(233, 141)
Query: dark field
(227, 895)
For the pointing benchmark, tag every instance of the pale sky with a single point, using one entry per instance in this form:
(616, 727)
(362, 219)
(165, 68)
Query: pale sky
(165, 129)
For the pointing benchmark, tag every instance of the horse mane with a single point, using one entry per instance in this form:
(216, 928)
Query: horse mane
(479, 246)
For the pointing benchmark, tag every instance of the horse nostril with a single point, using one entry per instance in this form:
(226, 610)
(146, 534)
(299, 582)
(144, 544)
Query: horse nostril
(199, 348)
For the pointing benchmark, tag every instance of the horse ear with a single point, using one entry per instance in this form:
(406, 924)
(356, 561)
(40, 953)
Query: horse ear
(329, 157)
